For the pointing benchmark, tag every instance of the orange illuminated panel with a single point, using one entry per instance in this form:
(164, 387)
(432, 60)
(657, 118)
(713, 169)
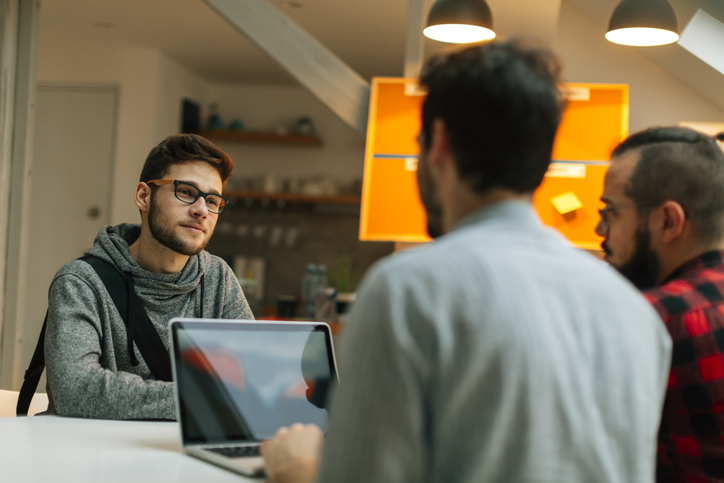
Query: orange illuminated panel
(397, 118)
(391, 208)
(591, 128)
(579, 225)
(394, 201)
(594, 121)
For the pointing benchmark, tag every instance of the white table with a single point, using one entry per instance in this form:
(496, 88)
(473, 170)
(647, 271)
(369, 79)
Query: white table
(54, 449)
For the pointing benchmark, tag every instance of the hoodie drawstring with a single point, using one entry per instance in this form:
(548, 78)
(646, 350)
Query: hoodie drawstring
(129, 311)
(201, 304)
(129, 288)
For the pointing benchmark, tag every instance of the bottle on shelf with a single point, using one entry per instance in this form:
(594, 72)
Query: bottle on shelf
(324, 297)
(307, 291)
(322, 281)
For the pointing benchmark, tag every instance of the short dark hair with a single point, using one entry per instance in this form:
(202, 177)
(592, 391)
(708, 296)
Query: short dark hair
(682, 165)
(501, 107)
(180, 148)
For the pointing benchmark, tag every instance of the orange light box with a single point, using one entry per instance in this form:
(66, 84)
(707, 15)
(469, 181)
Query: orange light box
(594, 121)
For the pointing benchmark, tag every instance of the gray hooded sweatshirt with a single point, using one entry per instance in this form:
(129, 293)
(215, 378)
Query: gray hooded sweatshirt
(89, 369)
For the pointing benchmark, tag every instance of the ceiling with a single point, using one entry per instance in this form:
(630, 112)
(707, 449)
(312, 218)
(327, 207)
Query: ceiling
(368, 35)
(673, 59)
(194, 34)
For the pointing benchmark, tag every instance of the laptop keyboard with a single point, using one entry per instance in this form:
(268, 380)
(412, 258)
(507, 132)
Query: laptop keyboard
(236, 451)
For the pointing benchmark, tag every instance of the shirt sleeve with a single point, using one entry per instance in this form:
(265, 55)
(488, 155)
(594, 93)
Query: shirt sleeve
(377, 430)
(77, 382)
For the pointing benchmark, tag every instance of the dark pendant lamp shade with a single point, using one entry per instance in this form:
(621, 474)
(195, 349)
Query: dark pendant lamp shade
(460, 21)
(643, 23)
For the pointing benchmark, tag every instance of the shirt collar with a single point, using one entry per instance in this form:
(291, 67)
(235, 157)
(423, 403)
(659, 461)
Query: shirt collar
(509, 209)
(708, 260)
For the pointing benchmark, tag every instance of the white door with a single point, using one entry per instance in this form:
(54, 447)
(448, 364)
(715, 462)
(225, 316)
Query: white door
(74, 145)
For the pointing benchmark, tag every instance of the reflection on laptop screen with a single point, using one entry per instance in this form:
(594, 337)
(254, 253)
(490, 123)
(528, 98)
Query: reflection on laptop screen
(244, 380)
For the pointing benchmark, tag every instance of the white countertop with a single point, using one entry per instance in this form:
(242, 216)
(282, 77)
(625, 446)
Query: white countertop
(54, 449)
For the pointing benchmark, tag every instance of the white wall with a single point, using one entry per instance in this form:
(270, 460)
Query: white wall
(264, 108)
(176, 83)
(656, 98)
(151, 87)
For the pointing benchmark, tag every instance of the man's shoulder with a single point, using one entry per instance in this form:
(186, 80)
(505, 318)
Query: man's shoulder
(77, 267)
(213, 263)
(77, 275)
(489, 247)
(684, 294)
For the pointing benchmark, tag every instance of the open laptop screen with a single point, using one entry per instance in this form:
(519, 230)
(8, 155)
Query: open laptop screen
(243, 380)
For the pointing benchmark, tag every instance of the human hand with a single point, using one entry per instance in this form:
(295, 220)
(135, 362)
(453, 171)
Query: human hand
(292, 456)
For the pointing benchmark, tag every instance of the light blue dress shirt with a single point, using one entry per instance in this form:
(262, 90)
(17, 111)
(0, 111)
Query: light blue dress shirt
(498, 353)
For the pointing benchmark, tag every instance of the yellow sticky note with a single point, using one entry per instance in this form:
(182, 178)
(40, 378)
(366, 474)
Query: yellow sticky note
(566, 202)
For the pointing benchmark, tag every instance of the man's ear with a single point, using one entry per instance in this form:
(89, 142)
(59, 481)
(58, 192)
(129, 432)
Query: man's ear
(142, 197)
(670, 221)
(439, 151)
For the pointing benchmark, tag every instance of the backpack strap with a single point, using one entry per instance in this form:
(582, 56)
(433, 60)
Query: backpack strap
(144, 334)
(142, 331)
(32, 375)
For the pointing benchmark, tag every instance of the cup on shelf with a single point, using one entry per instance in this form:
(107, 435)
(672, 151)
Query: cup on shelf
(293, 185)
(236, 125)
(304, 126)
(276, 235)
(269, 183)
(291, 236)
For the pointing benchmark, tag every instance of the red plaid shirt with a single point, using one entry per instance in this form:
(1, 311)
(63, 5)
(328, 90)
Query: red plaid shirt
(691, 438)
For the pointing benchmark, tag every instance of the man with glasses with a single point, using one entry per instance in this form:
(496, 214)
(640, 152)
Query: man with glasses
(95, 368)
(663, 229)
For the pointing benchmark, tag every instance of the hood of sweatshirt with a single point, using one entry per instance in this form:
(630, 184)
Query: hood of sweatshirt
(111, 244)
(154, 290)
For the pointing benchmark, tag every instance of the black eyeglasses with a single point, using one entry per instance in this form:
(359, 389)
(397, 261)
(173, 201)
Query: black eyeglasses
(189, 193)
(603, 212)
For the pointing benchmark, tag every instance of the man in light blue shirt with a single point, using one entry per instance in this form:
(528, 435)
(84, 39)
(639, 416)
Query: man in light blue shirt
(498, 353)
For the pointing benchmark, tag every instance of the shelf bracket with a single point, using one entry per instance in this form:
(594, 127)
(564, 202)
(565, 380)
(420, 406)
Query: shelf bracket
(316, 67)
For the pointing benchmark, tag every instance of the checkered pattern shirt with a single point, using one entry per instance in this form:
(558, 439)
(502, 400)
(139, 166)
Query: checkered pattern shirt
(691, 437)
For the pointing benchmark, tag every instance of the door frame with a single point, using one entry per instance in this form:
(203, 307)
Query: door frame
(19, 48)
(17, 349)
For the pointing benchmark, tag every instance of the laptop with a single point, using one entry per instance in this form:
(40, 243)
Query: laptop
(238, 381)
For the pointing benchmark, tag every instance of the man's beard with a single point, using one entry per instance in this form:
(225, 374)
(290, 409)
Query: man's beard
(644, 266)
(432, 207)
(162, 230)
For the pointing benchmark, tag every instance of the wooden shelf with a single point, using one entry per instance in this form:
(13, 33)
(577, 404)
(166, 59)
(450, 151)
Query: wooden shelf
(262, 137)
(295, 197)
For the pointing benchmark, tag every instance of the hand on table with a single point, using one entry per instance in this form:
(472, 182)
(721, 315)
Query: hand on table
(293, 455)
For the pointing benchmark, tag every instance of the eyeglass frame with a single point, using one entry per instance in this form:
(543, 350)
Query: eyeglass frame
(200, 194)
(603, 212)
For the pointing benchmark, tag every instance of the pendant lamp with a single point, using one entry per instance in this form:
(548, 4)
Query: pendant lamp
(643, 23)
(460, 21)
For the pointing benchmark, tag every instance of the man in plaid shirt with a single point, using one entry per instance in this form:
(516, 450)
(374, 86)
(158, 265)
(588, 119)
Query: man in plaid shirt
(663, 225)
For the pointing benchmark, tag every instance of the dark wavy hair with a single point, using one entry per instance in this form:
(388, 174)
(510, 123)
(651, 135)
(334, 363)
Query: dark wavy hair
(501, 106)
(180, 148)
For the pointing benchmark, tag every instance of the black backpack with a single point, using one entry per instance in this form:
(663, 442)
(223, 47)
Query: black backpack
(147, 339)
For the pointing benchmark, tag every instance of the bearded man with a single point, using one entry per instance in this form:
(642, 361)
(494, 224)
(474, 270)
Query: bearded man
(663, 229)
(95, 369)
